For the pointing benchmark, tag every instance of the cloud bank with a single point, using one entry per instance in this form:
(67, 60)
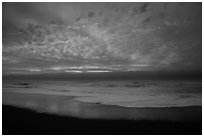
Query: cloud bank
(38, 37)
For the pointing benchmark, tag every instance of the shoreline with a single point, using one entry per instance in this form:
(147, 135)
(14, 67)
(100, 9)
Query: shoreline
(67, 106)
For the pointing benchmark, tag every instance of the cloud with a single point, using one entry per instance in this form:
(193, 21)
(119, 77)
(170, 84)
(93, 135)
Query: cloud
(91, 14)
(101, 35)
(144, 7)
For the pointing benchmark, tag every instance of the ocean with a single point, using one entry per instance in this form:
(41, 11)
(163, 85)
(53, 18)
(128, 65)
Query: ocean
(132, 93)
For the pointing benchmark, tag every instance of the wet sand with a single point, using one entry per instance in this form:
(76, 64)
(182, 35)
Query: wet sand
(57, 114)
(19, 121)
(67, 106)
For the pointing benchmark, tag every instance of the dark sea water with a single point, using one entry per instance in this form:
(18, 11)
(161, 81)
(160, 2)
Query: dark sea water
(143, 93)
(56, 92)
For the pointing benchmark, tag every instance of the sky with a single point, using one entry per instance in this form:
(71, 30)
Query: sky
(101, 37)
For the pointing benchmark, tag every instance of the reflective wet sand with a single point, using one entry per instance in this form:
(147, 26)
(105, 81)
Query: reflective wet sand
(67, 106)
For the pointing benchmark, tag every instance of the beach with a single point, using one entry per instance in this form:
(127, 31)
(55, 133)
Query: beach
(66, 106)
(100, 68)
(51, 114)
(20, 121)
(47, 107)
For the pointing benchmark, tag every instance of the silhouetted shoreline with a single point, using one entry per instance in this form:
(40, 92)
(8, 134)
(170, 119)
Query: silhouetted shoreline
(21, 121)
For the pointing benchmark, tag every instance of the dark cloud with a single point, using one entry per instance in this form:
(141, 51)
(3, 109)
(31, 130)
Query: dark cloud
(165, 5)
(91, 14)
(134, 11)
(78, 19)
(43, 35)
(144, 7)
(162, 15)
(100, 13)
(147, 20)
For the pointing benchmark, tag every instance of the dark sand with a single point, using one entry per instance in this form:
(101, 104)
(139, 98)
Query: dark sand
(21, 121)
(57, 114)
(67, 106)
